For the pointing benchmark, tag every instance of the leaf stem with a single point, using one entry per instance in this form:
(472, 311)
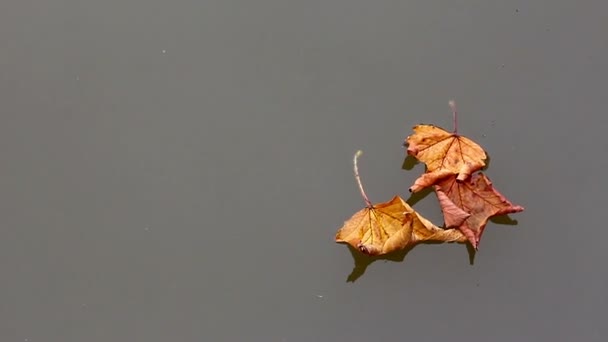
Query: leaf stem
(455, 113)
(356, 169)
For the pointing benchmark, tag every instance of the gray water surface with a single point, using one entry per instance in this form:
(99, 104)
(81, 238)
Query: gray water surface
(176, 171)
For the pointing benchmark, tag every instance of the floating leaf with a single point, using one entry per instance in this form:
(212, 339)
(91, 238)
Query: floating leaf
(444, 153)
(475, 196)
(467, 199)
(390, 226)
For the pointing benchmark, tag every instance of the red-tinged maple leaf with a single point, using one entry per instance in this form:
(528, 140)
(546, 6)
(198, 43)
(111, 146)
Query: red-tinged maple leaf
(475, 196)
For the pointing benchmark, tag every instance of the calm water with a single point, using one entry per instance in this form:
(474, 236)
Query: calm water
(177, 171)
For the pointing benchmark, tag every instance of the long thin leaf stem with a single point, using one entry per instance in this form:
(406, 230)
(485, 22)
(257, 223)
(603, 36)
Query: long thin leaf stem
(356, 169)
(455, 113)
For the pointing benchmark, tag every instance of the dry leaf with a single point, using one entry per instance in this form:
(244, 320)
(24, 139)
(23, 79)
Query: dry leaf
(477, 197)
(390, 226)
(444, 153)
(468, 199)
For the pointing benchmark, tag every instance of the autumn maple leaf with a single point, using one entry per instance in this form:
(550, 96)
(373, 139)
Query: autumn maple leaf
(390, 226)
(444, 153)
(477, 198)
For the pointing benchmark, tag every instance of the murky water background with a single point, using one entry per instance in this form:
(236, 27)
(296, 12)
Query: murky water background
(176, 171)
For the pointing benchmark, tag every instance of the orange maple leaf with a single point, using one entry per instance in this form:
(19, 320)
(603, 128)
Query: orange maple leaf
(444, 153)
(390, 226)
(475, 197)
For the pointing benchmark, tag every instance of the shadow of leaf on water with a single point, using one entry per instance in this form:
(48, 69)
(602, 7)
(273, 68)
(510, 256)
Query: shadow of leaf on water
(418, 196)
(362, 261)
(409, 162)
(505, 220)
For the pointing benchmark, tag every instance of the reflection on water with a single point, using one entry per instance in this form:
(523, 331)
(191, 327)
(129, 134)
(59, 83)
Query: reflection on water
(409, 162)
